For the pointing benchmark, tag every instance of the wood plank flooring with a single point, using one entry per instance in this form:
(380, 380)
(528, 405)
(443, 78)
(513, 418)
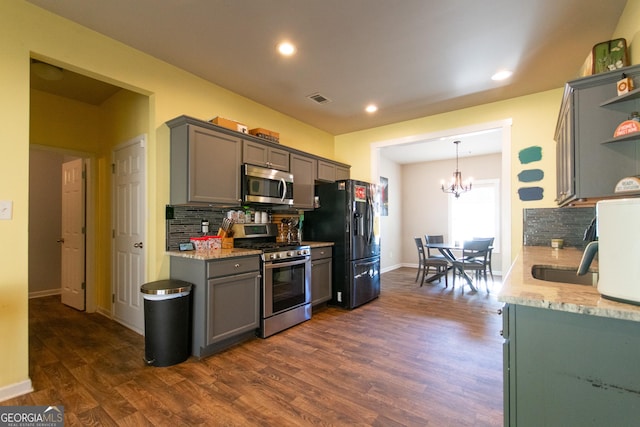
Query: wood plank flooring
(417, 356)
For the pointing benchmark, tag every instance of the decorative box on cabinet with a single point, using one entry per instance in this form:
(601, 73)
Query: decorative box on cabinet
(202, 159)
(587, 166)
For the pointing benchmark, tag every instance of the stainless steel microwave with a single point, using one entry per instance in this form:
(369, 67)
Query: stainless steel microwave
(262, 185)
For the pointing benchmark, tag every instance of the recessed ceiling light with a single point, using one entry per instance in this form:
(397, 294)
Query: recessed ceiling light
(371, 108)
(286, 49)
(501, 75)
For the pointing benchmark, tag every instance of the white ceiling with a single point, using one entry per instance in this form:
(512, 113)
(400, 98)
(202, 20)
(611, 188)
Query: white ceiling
(413, 58)
(471, 144)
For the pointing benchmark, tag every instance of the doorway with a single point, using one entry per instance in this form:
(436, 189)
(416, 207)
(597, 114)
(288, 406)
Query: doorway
(429, 145)
(68, 123)
(45, 223)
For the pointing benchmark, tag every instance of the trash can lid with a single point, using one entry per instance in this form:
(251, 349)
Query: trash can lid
(166, 287)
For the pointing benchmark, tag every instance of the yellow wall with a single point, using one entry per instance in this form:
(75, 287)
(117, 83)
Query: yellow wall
(26, 31)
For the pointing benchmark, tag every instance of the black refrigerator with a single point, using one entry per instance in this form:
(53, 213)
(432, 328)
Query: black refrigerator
(349, 216)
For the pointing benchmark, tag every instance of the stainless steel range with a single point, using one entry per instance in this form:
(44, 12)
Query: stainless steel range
(286, 277)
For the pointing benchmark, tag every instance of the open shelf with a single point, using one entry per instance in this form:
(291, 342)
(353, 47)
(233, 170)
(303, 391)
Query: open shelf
(628, 102)
(629, 137)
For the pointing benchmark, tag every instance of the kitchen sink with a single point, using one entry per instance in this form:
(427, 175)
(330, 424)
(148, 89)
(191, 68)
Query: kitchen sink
(564, 275)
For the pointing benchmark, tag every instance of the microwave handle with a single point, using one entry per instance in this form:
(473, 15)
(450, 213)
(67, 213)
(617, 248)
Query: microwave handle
(283, 183)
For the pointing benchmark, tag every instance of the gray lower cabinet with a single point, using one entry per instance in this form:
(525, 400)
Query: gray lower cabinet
(226, 300)
(321, 270)
(265, 155)
(588, 166)
(205, 164)
(568, 369)
(303, 169)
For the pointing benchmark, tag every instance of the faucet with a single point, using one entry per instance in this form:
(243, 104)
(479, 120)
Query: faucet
(587, 256)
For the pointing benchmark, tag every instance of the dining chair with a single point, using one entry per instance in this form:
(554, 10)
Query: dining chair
(489, 255)
(439, 238)
(473, 259)
(425, 264)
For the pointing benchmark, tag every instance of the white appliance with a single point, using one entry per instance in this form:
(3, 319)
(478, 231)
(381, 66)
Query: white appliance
(619, 249)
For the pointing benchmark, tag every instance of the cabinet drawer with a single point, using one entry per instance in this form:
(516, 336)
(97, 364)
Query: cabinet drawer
(231, 266)
(320, 253)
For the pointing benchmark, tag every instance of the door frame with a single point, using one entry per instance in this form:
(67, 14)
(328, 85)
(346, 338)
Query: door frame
(143, 139)
(505, 178)
(91, 302)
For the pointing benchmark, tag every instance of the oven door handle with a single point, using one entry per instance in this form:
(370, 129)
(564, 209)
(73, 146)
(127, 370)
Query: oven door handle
(272, 265)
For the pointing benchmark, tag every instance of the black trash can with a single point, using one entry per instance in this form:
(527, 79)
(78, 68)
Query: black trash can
(167, 322)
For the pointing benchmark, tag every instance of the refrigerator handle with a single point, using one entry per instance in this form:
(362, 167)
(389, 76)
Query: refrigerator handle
(370, 213)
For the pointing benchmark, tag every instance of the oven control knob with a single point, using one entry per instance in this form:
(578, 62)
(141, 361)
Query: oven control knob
(273, 256)
(290, 253)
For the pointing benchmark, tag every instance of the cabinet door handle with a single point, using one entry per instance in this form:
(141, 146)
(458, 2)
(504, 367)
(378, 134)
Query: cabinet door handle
(60, 240)
(237, 266)
(137, 245)
(501, 333)
(499, 312)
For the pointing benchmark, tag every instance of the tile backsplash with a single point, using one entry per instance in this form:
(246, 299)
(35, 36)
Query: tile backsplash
(543, 224)
(183, 222)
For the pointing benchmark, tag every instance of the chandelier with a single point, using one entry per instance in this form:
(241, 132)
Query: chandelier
(456, 186)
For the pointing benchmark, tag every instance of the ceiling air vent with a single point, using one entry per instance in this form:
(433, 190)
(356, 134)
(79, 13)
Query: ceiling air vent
(320, 99)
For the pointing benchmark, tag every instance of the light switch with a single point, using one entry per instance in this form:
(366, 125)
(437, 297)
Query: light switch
(6, 209)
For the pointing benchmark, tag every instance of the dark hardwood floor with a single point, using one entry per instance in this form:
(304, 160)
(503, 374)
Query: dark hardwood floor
(417, 356)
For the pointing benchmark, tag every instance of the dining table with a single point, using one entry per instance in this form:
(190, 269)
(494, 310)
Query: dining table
(446, 249)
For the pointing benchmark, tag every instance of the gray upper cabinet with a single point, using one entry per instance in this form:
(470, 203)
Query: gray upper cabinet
(265, 155)
(303, 169)
(205, 164)
(342, 172)
(330, 172)
(589, 165)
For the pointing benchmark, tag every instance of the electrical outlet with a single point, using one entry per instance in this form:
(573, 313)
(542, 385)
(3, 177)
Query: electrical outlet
(169, 213)
(339, 296)
(6, 209)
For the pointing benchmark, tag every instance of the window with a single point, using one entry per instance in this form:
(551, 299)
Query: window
(476, 213)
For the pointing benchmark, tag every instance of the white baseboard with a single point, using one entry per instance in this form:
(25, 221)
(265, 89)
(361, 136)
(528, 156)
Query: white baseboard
(104, 312)
(47, 293)
(390, 268)
(15, 390)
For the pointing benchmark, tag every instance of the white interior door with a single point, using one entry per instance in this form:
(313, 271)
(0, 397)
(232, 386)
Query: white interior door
(129, 215)
(72, 241)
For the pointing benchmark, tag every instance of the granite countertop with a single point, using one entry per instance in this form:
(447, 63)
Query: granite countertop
(317, 244)
(235, 252)
(520, 287)
(216, 254)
